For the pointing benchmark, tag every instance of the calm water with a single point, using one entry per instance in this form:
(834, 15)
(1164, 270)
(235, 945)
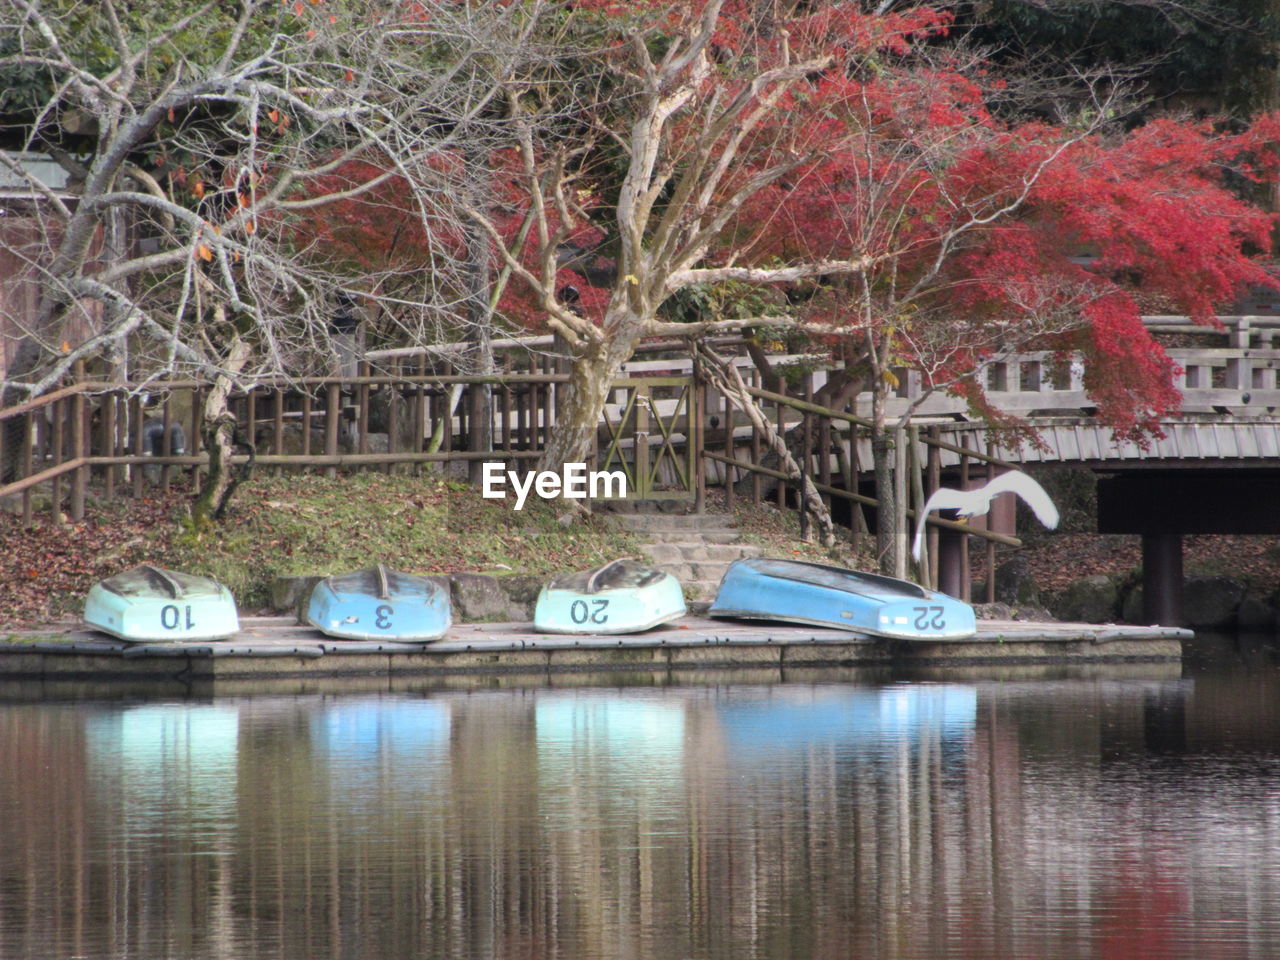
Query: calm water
(1130, 813)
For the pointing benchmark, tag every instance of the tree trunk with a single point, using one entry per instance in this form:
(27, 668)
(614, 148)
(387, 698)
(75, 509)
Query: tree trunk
(218, 432)
(882, 456)
(726, 377)
(480, 332)
(13, 431)
(581, 402)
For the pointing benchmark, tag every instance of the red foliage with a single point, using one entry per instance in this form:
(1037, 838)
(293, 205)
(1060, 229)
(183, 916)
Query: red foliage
(380, 229)
(1054, 226)
(985, 234)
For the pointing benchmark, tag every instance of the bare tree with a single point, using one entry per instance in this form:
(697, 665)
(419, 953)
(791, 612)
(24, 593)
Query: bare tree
(728, 157)
(215, 137)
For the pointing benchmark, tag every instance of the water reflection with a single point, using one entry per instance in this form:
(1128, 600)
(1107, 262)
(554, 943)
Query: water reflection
(1057, 818)
(170, 764)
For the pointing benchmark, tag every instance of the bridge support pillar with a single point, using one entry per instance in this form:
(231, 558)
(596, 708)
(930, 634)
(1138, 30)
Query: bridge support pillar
(951, 563)
(1162, 578)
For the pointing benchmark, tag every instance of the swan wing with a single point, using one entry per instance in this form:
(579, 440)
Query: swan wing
(1034, 495)
(944, 498)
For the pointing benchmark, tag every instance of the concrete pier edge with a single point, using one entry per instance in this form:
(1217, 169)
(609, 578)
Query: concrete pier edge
(269, 647)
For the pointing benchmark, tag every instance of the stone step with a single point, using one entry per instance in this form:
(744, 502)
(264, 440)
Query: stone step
(646, 523)
(695, 572)
(719, 536)
(699, 552)
(700, 594)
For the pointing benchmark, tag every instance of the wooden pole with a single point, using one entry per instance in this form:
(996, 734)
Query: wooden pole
(932, 482)
(728, 472)
(80, 443)
(277, 426)
(166, 440)
(135, 421)
(57, 444)
(916, 468)
(107, 442)
(966, 587)
(991, 547)
(331, 426)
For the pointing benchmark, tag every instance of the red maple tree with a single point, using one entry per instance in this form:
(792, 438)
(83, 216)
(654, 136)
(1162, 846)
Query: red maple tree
(892, 185)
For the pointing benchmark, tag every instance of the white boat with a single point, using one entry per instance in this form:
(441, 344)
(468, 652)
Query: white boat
(148, 604)
(624, 596)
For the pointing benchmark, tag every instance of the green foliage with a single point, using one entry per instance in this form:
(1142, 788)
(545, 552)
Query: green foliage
(730, 298)
(86, 38)
(1220, 50)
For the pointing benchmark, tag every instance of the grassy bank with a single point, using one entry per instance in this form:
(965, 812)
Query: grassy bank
(295, 525)
(304, 524)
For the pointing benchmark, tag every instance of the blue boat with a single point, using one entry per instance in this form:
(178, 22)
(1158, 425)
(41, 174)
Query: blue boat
(380, 604)
(827, 596)
(859, 720)
(147, 604)
(624, 596)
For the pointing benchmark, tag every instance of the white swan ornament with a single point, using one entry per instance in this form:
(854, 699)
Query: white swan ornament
(972, 503)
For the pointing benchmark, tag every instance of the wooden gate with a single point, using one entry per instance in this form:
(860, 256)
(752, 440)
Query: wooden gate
(649, 434)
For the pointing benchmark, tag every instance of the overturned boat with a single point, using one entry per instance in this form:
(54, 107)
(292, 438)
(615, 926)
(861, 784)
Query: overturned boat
(624, 596)
(377, 603)
(798, 592)
(148, 604)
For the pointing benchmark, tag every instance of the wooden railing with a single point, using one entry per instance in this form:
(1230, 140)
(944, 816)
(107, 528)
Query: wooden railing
(827, 452)
(124, 439)
(1234, 372)
(407, 414)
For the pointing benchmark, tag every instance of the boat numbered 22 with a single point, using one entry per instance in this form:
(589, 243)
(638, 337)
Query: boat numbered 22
(930, 618)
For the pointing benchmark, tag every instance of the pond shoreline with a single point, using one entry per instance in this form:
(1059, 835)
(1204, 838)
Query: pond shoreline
(279, 647)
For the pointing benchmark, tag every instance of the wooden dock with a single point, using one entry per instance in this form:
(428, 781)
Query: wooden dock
(277, 647)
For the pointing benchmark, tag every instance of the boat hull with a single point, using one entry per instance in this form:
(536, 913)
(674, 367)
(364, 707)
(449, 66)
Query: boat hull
(380, 604)
(621, 597)
(149, 605)
(797, 592)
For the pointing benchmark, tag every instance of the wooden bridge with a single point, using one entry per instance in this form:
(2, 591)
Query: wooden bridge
(1214, 470)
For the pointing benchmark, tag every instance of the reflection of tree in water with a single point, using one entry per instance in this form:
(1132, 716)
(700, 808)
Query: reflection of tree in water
(998, 820)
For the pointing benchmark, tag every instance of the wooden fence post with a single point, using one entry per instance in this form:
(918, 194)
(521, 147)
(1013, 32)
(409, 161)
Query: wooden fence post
(277, 427)
(331, 425)
(916, 470)
(56, 445)
(135, 426)
(933, 480)
(991, 544)
(80, 445)
(727, 471)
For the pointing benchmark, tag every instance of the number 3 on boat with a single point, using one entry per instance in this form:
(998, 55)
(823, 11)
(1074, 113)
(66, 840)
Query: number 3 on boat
(380, 604)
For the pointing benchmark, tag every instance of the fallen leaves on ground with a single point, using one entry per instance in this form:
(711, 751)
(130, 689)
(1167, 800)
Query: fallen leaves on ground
(47, 568)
